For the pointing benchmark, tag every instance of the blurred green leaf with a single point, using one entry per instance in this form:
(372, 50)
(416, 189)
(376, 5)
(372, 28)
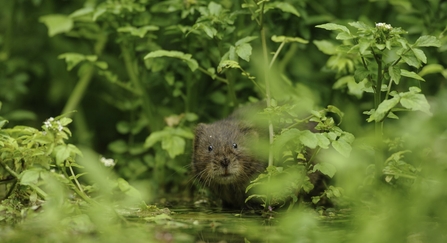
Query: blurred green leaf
(409, 74)
(325, 168)
(192, 63)
(427, 40)
(57, 23)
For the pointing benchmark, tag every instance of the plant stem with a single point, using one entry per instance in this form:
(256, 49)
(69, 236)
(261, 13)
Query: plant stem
(39, 191)
(378, 124)
(277, 53)
(84, 81)
(212, 75)
(134, 76)
(267, 85)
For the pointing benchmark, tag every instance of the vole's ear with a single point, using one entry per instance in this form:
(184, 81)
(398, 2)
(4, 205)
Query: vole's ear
(200, 128)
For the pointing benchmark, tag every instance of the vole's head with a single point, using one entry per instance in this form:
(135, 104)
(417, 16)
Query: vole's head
(222, 153)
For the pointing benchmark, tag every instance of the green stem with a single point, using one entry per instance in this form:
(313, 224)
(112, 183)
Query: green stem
(75, 179)
(277, 53)
(84, 81)
(4, 54)
(231, 90)
(80, 193)
(213, 75)
(267, 86)
(378, 127)
(134, 76)
(39, 191)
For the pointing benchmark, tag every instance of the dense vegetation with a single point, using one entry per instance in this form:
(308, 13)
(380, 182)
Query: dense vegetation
(127, 81)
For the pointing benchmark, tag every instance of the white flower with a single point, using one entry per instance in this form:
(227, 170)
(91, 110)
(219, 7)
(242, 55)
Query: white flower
(384, 25)
(47, 123)
(107, 162)
(59, 126)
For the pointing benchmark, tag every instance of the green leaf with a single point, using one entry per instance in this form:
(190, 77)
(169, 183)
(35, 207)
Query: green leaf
(57, 23)
(214, 8)
(140, 32)
(419, 54)
(414, 101)
(431, 68)
(335, 110)
(309, 139)
(72, 59)
(409, 74)
(154, 138)
(175, 145)
(28, 177)
(411, 59)
(288, 39)
(343, 147)
(325, 168)
(62, 153)
(226, 64)
(192, 63)
(332, 26)
(394, 72)
(245, 40)
(286, 136)
(284, 6)
(323, 141)
(128, 189)
(383, 109)
(244, 51)
(360, 25)
(326, 47)
(427, 40)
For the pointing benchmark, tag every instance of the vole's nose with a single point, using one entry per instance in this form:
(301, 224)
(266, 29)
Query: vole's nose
(225, 162)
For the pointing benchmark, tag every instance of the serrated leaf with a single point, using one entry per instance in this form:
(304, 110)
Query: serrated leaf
(361, 73)
(192, 63)
(155, 137)
(72, 59)
(286, 136)
(427, 40)
(409, 74)
(343, 36)
(360, 25)
(415, 101)
(283, 6)
(325, 168)
(326, 47)
(342, 147)
(308, 138)
(332, 26)
(244, 51)
(245, 40)
(394, 72)
(323, 141)
(57, 23)
(411, 60)
(28, 177)
(419, 54)
(383, 109)
(62, 153)
(174, 145)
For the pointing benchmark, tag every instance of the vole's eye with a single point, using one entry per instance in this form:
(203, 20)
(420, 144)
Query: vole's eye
(235, 145)
(210, 148)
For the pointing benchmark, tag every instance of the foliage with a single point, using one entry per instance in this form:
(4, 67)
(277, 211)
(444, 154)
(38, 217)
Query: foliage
(141, 73)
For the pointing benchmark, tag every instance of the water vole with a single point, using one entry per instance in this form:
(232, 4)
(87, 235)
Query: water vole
(223, 160)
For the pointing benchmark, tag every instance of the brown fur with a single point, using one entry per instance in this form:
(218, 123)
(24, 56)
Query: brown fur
(227, 167)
